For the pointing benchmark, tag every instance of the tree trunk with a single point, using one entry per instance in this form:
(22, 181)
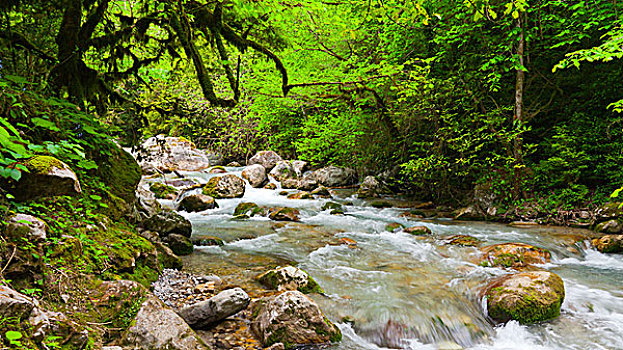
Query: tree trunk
(518, 117)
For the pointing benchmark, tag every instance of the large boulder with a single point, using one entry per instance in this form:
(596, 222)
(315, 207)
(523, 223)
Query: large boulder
(167, 258)
(226, 186)
(255, 174)
(173, 153)
(226, 303)
(121, 173)
(526, 297)
(284, 214)
(609, 244)
(267, 159)
(156, 326)
(299, 167)
(26, 226)
(307, 182)
(289, 278)
(613, 226)
(147, 204)
(179, 244)
(293, 319)
(46, 177)
(513, 255)
(333, 176)
(197, 202)
(14, 304)
(608, 211)
(166, 222)
(283, 170)
(371, 187)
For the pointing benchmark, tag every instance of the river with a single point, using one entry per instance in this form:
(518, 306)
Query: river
(410, 292)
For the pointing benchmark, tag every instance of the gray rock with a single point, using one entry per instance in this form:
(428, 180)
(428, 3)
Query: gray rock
(220, 306)
(46, 323)
(307, 182)
(267, 159)
(299, 167)
(14, 304)
(197, 202)
(172, 153)
(156, 326)
(292, 318)
(255, 174)
(226, 186)
(283, 170)
(290, 183)
(610, 226)
(277, 346)
(333, 176)
(26, 226)
(166, 222)
(371, 187)
(147, 203)
(289, 278)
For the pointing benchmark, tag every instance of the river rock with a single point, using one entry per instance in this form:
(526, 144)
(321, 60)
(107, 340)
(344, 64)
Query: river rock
(270, 186)
(418, 230)
(290, 183)
(163, 191)
(14, 304)
(179, 244)
(267, 159)
(148, 205)
(463, 241)
(226, 303)
(156, 326)
(614, 226)
(299, 167)
(300, 195)
(173, 153)
(526, 297)
(289, 278)
(307, 182)
(469, 213)
(255, 174)
(217, 170)
(249, 209)
(167, 258)
(226, 186)
(322, 192)
(197, 202)
(393, 226)
(46, 177)
(293, 319)
(26, 226)
(609, 244)
(608, 211)
(371, 187)
(234, 164)
(513, 255)
(333, 176)
(283, 170)
(284, 214)
(166, 222)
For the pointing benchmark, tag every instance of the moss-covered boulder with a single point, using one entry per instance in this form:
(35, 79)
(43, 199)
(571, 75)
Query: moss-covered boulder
(166, 222)
(163, 191)
(609, 244)
(284, 214)
(207, 241)
(227, 186)
(513, 255)
(197, 202)
(293, 319)
(167, 258)
(249, 209)
(121, 173)
(289, 278)
(23, 226)
(463, 241)
(614, 226)
(179, 244)
(418, 230)
(391, 227)
(526, 297)
(267, 159)
(46, 177)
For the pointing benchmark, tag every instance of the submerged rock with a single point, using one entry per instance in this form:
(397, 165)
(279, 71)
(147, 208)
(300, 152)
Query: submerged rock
(609, 244)
(418, 230)
(333, 176)
(46, 177)
(292, 319)
(166, 222)
(289, 278)
(283, 170)
(156, 326)
(226, 303)
(284, 214)
(513, 255)
(197, 202)
(267, 159)
(26, 226)
(300, 195)
(526, 297)
(463, 241)
(391, 227)
(227, 186)
(255, 174)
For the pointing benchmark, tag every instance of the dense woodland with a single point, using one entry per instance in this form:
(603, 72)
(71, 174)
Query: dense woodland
(519, 101)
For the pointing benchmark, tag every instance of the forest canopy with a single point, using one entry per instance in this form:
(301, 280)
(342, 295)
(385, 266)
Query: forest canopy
(522, 97)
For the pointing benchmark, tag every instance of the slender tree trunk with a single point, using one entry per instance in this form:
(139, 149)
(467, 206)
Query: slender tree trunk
(518, 117)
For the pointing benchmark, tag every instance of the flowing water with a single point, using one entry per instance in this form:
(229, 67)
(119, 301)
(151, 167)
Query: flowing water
(396, 290)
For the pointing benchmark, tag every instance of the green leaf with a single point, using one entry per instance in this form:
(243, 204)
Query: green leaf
(13, 335)
(43, 123)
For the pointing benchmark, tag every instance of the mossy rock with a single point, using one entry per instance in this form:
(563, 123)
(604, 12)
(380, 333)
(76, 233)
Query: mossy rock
(331, 206)
(121, 173)
(513, 255)
(393, 226)
(163, 191)
(247, 208)
(609, 244)
(208, 241)
(300, 195)
(167, 258)
(226, 186)
(381, 204)
(284, 214)
(418, 230)
(46, 177)
(526, 297)
(463, 241)
(197, 202)
(290, 278)
(179, 244)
